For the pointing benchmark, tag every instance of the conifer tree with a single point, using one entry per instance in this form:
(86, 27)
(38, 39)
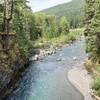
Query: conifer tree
(92, 31)
(89, 14)
(96, 31)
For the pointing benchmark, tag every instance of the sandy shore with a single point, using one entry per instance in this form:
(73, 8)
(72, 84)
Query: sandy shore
(81, 80)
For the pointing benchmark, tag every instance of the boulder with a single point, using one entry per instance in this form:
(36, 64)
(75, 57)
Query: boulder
(34, 58)
(59, 59)
(74, 58)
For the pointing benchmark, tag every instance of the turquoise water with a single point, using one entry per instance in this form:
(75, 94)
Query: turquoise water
(47, 79)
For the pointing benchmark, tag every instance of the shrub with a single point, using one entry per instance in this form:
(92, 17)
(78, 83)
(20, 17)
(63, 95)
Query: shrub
(89, 66)
(96, 85)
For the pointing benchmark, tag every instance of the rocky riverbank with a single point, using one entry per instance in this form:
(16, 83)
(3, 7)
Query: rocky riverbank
(43, 52)
(49, 50)
(80, 78)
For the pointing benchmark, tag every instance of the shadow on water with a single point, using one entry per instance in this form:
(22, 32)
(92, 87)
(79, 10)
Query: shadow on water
(46, 80)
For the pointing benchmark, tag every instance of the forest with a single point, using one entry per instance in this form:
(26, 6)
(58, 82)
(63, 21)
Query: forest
(74, 11)
(24, 33)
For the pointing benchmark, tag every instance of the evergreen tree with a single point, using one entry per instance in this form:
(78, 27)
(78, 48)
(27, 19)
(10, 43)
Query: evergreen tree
(96, 31)
(64, 27)
(92, 31)
(89, 14)
(50, 27)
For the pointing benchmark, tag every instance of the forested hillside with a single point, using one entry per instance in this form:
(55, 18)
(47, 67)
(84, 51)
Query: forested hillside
(74, 11)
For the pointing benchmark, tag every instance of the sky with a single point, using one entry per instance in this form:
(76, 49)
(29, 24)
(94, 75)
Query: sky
(38, 5)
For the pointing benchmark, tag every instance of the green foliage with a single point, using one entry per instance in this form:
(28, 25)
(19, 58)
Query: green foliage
(96, 32)
(23, 27)
(48, 26)
(62, 39)
(92, 31)
(21, 22)
(28, 26)
(74, 11)
(89, 31)
(96, 85)
(64, 26)
(39, 23)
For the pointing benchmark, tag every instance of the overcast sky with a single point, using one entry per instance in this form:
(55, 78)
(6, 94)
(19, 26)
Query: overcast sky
(38, 5)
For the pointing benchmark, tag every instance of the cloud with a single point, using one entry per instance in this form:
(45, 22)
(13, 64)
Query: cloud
(38, 5)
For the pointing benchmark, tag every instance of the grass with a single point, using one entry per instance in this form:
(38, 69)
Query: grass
(62, 39)
(96, 81)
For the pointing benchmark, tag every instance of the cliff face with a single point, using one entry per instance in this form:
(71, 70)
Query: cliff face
(12, 63)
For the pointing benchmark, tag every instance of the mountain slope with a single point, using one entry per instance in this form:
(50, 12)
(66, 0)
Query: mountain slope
(60, 10)
(74, 11)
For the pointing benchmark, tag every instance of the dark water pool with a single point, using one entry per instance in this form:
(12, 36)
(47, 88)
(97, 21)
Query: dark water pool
(47, 79)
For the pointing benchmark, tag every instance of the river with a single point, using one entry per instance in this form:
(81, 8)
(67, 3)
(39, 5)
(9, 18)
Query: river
(47, 79)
